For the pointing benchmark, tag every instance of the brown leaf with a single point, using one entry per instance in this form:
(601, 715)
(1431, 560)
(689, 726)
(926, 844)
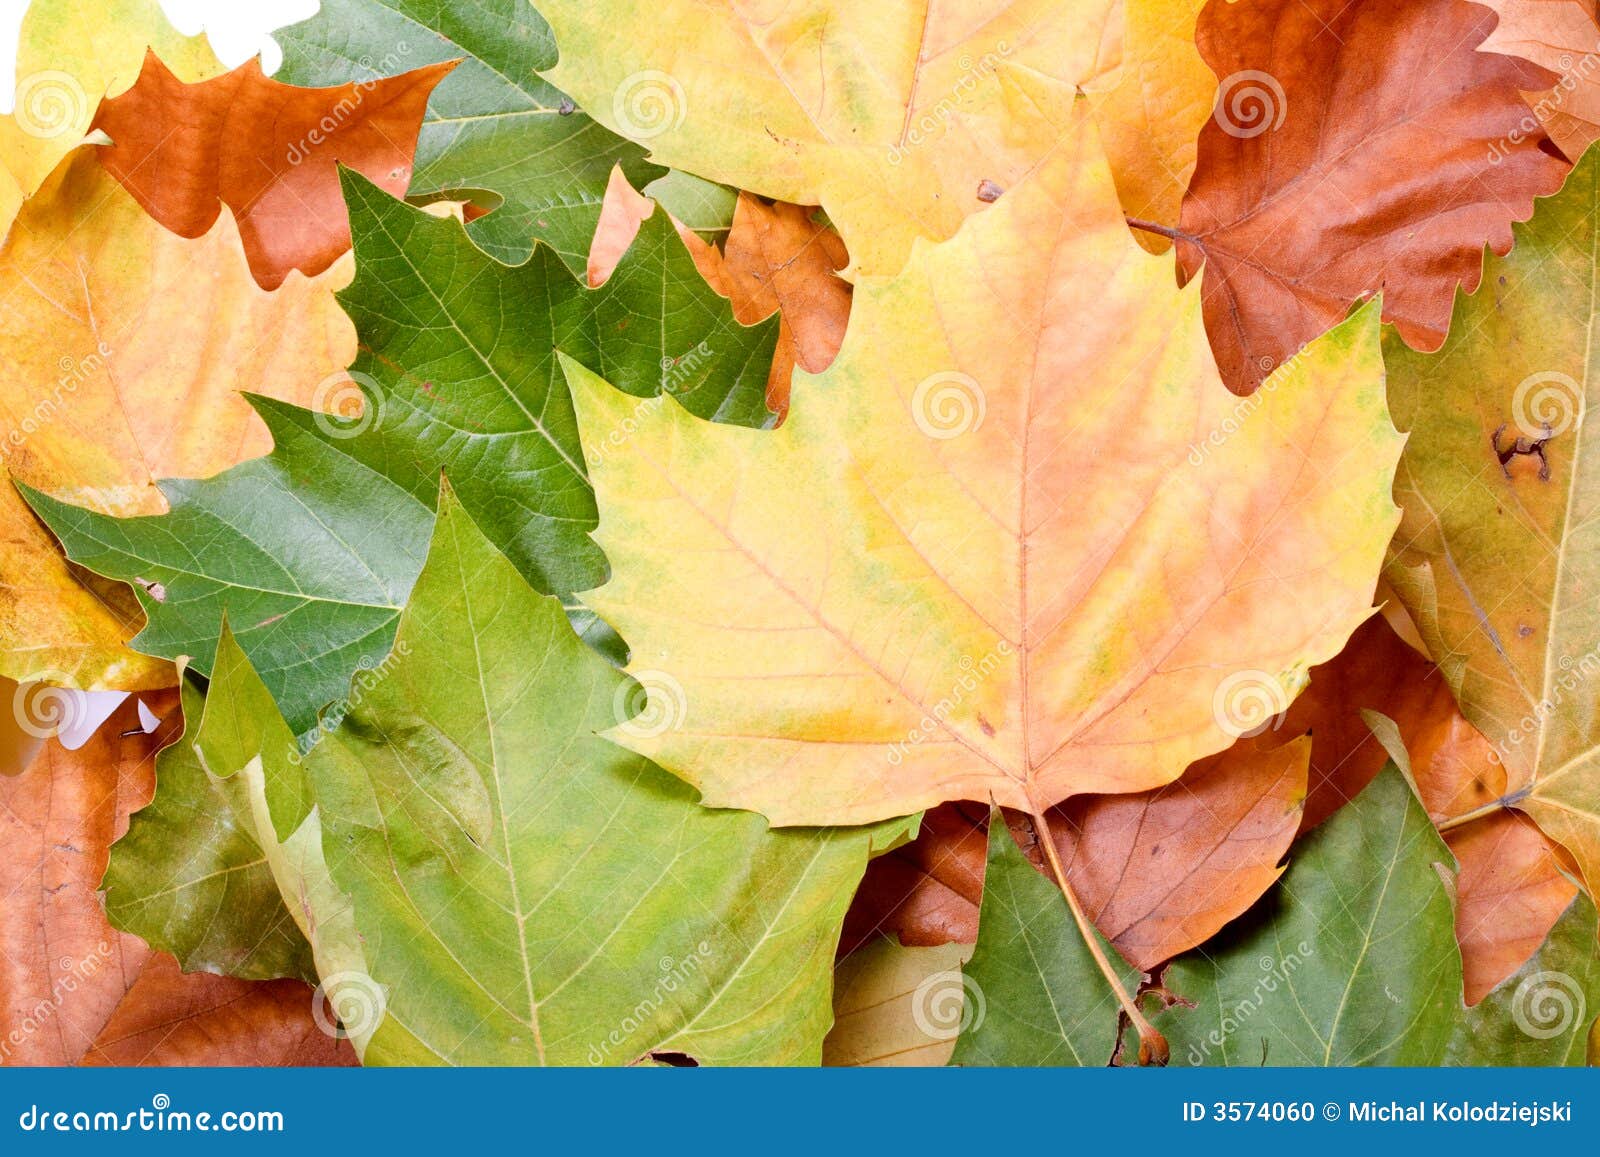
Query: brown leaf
(170, 1018)
(1563, 36)
(1510, 889)
(269, 151)
(1357, 147)
(780, 259)
(1159, 872)
(75, 989)
(1510, 892)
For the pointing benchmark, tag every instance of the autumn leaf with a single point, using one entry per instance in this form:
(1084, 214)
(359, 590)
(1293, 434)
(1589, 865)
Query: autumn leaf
(1545, 1013)
(1510, 889)
(470, 758)
(895, 119)
(192, 879)
(1493, 554)
(1351, 960)
(1030, 960)
(1561, 36)
(1321, 182)
(267, 150)
(69, 56)
(127, 347)
(495, 133)
(78, 991)
(877, 533)
(1151, 118)
(1158, 872)
(896, 1006)
(312, 550)
(172, 1018)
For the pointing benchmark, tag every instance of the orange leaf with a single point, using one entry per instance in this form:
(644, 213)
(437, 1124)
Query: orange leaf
(780, 259)
(1356, 147)
(269, 151)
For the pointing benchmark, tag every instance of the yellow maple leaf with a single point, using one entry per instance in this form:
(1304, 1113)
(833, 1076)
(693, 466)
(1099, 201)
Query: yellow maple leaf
(1017, 543)
(126, 347)
(899, 120)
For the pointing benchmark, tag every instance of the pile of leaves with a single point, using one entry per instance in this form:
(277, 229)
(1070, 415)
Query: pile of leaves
(692, 532)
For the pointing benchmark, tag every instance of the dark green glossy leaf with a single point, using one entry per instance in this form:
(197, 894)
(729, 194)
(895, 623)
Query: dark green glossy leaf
(1351, 959)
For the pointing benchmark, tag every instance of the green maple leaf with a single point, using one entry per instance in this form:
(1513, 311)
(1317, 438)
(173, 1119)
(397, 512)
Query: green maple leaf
(495, 132)
(482, 879)
(312, 550)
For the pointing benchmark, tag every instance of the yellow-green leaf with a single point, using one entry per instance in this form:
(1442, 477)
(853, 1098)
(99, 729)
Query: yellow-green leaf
(1018, 542)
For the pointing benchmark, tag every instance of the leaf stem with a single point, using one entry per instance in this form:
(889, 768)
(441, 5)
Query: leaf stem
(1152, 1045)
(1504, 803)
(1151, 227)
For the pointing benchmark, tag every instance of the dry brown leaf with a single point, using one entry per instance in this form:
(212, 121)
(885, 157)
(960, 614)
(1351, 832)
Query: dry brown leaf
(269, 151)
(77, 990)
(1358, 147)
(780, 259)
(1510, 889)
(1159, 872)
(1562, 36)
(172, 1018)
